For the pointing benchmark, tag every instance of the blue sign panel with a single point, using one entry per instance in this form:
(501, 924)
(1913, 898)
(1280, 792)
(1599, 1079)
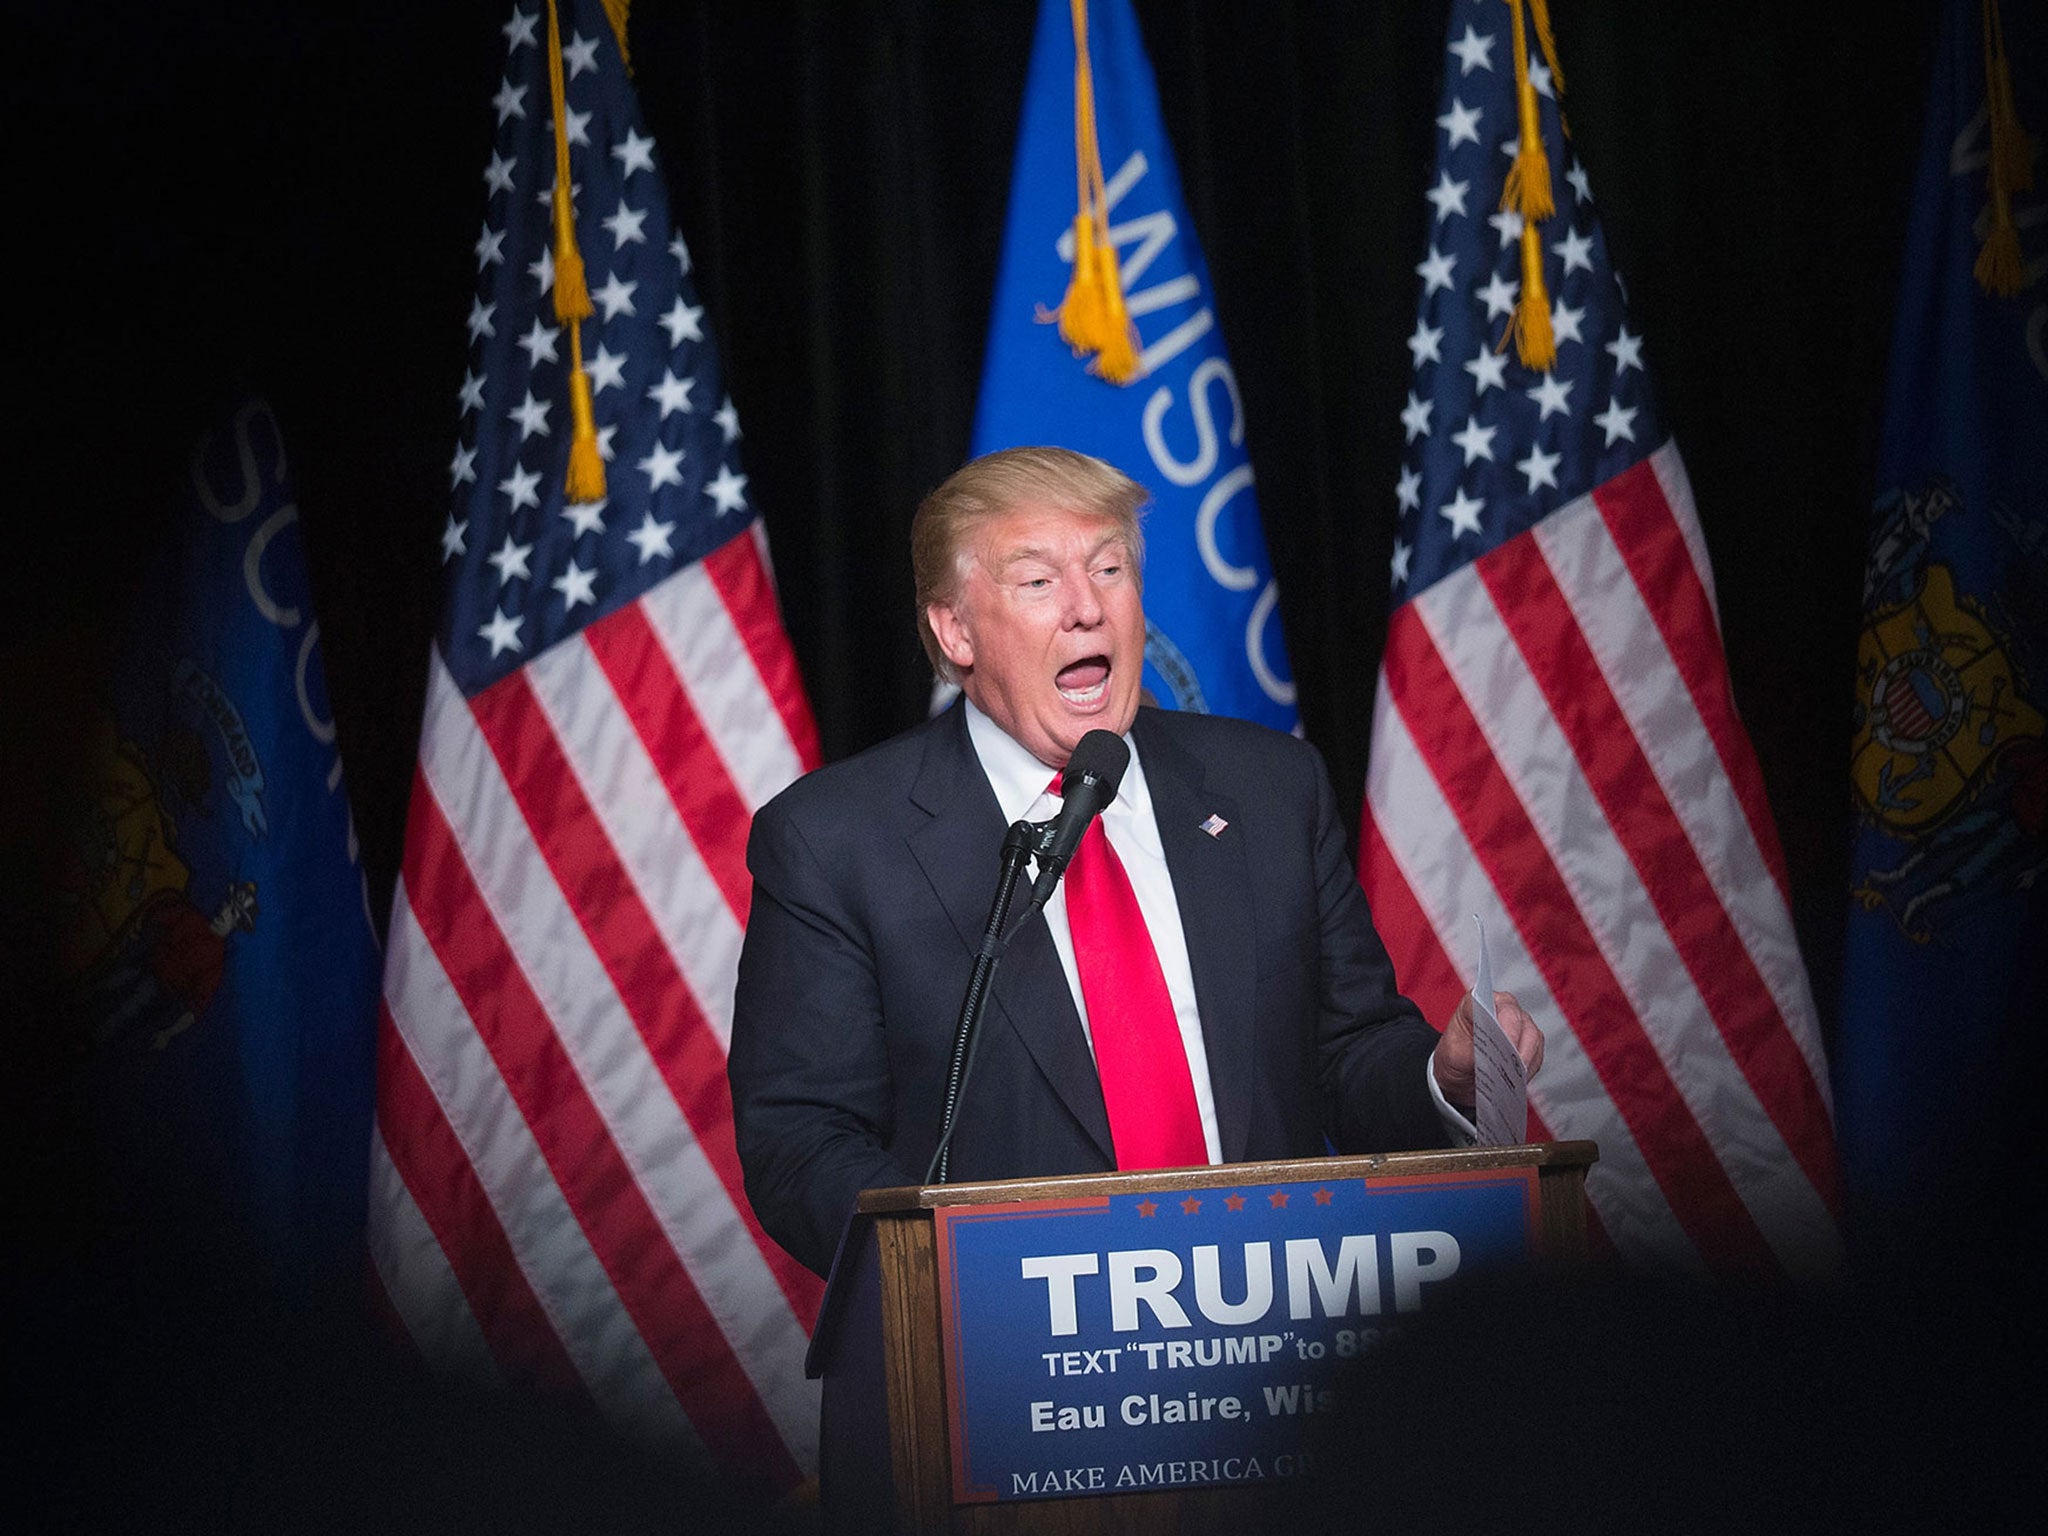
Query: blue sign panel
(1147, 1341)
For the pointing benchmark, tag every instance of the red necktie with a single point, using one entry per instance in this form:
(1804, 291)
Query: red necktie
(1138, 1050)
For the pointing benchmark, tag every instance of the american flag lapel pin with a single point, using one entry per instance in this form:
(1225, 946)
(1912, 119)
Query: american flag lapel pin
(1214, 825)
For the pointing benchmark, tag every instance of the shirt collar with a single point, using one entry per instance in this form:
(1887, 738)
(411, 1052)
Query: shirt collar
(1019, 779)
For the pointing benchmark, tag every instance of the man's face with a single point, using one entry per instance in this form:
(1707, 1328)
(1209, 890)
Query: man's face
(1048, 631)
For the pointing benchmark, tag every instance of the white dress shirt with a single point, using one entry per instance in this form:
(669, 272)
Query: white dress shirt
(1019, 781)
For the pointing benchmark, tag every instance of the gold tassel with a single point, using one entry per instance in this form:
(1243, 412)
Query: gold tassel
(586, 464)
(572, 293)
(1528, 185)
(1092, 316)
(1547, 41)
(2000, 269)
(1117, 361)
(2010, 146)
(1530, 324)
(1081, 312)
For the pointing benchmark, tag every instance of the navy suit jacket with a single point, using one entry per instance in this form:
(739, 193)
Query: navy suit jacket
(872, 884)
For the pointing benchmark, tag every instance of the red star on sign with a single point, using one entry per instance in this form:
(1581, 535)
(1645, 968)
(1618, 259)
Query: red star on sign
(1191, 1205)
(1277, 1199)
(1322, 1197)
(1146, 1208)
(1233, 1202)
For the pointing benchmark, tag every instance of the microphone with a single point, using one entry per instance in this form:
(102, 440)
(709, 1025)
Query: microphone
(1090, 783)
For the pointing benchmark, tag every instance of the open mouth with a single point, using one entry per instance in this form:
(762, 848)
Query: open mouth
(1085, 682)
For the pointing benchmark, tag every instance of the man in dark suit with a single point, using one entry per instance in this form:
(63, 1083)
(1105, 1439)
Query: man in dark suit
(872, 882)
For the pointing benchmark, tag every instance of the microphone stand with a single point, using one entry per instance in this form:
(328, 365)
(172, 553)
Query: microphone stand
(1024, 840)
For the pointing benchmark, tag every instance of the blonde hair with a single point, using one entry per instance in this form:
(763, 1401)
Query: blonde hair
(1000, 482)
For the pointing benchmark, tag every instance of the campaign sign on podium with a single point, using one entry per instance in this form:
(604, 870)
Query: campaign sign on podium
(1141, 1341)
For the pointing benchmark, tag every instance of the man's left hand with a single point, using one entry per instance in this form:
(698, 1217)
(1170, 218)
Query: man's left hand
(1452, 1059)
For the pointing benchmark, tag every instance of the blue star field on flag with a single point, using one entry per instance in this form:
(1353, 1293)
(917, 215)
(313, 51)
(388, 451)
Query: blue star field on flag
(527, 567)
(1492, 446)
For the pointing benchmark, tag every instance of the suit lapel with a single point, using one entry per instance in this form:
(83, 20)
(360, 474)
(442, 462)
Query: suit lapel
(959, 852)
(1210, 875)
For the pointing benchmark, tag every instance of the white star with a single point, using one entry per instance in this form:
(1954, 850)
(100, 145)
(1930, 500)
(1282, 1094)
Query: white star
(586, 516)
(1509, 225)
(1463, 512)
(1435, 271)
(607, 370)
(1461, 122)
(604, 441)
(472, 392)
(521, 485)
(480, 319)
(1409, 490)
(1550, 394)
(1577, 252)
(662, 467)
(1499, 294)
(510, 559)
(498, 174)
(510, 101)
(463, 469)
(672, 393)
(1488, 369)
(1415, 416)
(1473, 51)
(615, 296)
(575, 126)
(728, 420)
(490, 247)
(1616, 422)
(532, 416)
(1564, 321)
(1423, 344)
(576, 586)
(727, 491)
(633, 154)
(580, 54)
(502, 632)
(1539, 78)
(1477, 441)
(681, 322)
(519, 30)
(542, 268)
(1577, 177)
(1540, 467)
(680, 251)
(625, 225)
(539, 343)
(1399, 566)
(1627, 351)
(1447, 195)
(651, 538)
(452, 539)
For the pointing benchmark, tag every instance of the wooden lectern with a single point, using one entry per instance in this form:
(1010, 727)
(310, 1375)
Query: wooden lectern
(886, 1452)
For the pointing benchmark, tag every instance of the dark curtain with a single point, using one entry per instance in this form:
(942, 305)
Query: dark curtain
(234, 195)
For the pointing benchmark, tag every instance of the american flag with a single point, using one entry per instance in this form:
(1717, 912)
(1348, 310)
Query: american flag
(1555, 744)
(555, 1194)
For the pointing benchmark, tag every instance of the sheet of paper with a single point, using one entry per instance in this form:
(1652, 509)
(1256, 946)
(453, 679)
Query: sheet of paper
(1501, 1111)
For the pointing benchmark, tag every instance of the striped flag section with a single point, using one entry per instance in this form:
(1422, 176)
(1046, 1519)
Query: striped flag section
(1555, 744)
(555, 1193)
